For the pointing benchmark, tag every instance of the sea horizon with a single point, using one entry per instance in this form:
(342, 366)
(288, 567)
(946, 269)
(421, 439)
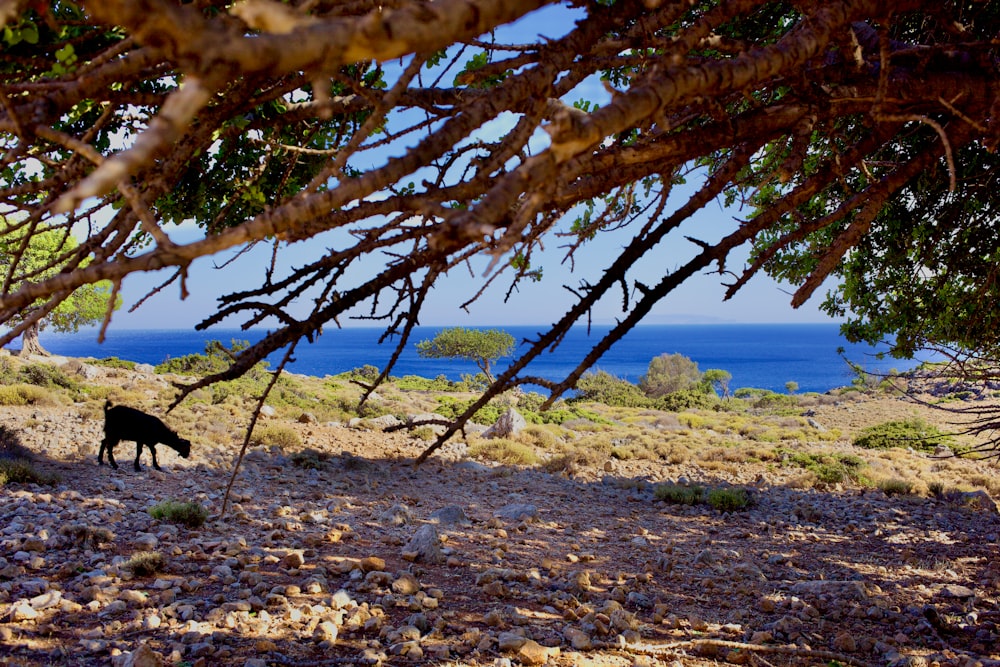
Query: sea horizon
(759, 355)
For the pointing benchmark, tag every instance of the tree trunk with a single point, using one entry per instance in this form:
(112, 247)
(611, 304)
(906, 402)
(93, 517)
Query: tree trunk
(30, 344)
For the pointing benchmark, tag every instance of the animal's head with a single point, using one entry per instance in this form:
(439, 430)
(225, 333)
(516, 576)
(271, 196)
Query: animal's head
(183, 447)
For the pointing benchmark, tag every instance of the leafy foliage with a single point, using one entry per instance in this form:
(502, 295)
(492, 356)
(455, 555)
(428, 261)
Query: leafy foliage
(602, 387)
(146, 563)
(483, 347)
(23, 471)
(276, 435)
(30, 257)
(911, 433)
(186, 513)
(669, 373)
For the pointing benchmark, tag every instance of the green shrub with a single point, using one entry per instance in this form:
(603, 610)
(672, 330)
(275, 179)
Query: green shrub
(828, 468)
(366, 373)
(8, 371)
(417, 383)
(270, 435)
(188, 514)
(22, 471)
(114, 362)
(310, 458)
(728, 499)
(679, 494)
(688, 399)
(216, 358)
(425, 433)
(895, 486)
(451, 407)
(669, 373)
(46, 375)
(602, 387)
(912, 433)
(145, 563)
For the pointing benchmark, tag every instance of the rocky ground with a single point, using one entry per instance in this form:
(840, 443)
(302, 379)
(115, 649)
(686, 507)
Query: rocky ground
(366, 560)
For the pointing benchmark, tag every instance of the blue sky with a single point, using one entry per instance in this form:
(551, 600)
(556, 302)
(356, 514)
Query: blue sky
(699, 300)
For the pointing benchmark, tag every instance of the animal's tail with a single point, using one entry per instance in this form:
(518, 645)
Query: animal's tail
(107, 405)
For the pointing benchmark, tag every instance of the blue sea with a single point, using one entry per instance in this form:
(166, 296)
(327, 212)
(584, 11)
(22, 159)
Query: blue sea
(765, 356)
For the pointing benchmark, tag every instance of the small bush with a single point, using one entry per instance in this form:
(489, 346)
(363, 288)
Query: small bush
(46, 375)
(827, 468)
(115, 362)
(26, 394)
(22, 471)
(366, 373)
(451, 407)
(425, 433)
(188, 514)
(602, 387)
(913, 433)
(504, 451)
(679, 494)
(276, 435)
(310, 459)
(417, 383)
(668, 374)
(689, 399)
(86, 535)
(895, 486)
(145, 563)
(572, 461)
(729, 499)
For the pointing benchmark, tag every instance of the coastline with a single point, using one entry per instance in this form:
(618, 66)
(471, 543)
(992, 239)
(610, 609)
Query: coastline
(765, 356)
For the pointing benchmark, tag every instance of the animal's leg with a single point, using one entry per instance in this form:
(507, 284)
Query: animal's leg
(152, 450)
(138, 453)
(109, 446)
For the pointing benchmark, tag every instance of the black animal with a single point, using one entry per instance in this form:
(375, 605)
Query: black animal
(124, 423)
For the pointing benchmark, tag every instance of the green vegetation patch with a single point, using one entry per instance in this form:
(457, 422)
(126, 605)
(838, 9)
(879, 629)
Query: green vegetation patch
(723, 499)
(22, 471)
(911, 433)
(187, 514)
(276, 435)
(504, 451)
(828, 468)
(679, 494)
(114, 362)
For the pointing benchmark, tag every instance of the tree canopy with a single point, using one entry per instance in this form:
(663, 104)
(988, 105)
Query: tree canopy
(859, 134)
(480, 346)
(35, 256)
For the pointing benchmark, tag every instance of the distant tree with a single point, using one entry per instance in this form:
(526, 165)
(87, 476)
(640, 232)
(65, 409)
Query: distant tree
(482, 346)
(669, 373)
(22, 260)
(792, 386)
(719, 380)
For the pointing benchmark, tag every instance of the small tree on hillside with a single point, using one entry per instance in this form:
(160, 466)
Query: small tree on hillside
(20, 261)
(668, 373)
(719, 380)
(482, 346)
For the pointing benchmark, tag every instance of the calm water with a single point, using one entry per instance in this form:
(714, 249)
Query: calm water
(766, 356)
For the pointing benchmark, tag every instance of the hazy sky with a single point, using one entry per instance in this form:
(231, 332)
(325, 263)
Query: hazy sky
(699, 300)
